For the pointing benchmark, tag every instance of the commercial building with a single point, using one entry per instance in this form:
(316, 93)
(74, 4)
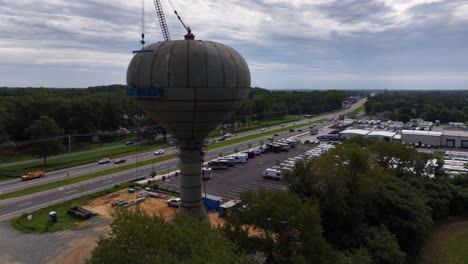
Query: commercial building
(454, 139)
(382, 135)
(350, 133)
(421, 137)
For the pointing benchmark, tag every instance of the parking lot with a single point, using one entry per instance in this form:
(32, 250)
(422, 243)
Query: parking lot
(242, 177)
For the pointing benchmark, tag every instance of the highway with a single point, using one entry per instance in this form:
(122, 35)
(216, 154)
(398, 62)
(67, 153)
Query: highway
(16, 184)
(13, 207)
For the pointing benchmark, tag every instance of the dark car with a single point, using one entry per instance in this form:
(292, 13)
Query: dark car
(129, 143)
(291, 130)
(118, 161)
(300, 130)
(221, 138)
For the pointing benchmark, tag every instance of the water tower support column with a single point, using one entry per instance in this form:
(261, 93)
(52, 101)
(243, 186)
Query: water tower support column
(191, 157)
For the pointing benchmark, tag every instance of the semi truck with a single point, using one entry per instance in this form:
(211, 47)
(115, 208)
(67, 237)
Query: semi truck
(33, 175)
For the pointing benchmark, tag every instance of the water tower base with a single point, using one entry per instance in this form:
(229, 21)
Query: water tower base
(191, 157)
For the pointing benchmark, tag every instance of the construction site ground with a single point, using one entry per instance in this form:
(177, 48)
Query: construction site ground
(75, 246)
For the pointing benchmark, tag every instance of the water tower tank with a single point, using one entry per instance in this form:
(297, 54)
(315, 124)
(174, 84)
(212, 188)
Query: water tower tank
(189, 87)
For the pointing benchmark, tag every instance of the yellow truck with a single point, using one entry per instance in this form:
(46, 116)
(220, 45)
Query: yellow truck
(33, 175)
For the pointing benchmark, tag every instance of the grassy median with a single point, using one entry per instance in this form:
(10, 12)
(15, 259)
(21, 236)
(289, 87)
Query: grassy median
(258, 135)
(75, 160)
(40, 218)
(57, 184)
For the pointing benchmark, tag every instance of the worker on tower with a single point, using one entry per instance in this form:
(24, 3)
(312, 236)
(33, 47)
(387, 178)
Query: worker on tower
(189, 34)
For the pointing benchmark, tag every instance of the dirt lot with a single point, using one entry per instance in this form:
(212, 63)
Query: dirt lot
(78, 250)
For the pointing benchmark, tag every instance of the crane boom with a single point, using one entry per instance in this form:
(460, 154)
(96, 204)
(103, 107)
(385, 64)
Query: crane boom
(162, 20)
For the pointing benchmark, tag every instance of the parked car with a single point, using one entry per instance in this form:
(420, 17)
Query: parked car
(270, 138)
(291, 130)
(120, 161)
(263, 129)
(175, 202)
(222, 138)
(104, 161)
(300, 130)
(228, 135)
(276, 134)
(159, 152)
(129, 143)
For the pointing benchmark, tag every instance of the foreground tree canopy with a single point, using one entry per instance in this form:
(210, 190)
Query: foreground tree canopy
(140, 238)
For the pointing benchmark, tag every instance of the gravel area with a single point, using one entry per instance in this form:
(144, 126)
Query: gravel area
(58, 247)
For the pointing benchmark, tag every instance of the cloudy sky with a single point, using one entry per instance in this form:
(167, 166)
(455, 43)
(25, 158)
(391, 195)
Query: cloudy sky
(288, 44)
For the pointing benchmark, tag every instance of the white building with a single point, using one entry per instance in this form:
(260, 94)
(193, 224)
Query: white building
(350, 133)
(382, 135)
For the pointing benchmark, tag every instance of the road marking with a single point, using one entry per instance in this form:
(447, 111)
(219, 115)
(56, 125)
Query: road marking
(107, 181)
(24, 204)
(70, 191)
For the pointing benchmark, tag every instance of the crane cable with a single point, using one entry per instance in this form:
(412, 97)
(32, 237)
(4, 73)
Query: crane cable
(142, 24)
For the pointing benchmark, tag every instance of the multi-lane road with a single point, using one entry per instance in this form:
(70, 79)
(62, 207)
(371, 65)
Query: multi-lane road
(13, 207)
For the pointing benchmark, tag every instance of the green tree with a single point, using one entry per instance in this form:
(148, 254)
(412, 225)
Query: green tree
(383, 246)
(288, 231)
(139, 238)
(45, 131)
(401, 208)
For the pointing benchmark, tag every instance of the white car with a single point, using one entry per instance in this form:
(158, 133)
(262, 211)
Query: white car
(227, 135)
(175, 202)
(103, 161)
(263, 129)
(159, 152)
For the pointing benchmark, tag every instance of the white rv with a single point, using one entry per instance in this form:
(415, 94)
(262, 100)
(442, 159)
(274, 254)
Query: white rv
(272, 173)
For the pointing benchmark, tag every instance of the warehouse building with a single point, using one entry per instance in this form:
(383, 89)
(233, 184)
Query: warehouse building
(350, 133)
(454, 139)
(381, 135)
(421, 137)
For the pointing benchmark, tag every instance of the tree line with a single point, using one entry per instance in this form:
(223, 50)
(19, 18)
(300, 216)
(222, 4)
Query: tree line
(363, 202)
(446, 106)
(28, 114)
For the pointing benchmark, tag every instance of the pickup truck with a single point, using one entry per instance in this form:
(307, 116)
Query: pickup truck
(33, 175)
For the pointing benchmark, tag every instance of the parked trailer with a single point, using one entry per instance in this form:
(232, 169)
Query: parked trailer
(218, 164)
(272, 173)
(81, 212)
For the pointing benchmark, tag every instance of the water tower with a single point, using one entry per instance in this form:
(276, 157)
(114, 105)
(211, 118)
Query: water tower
(189, 87)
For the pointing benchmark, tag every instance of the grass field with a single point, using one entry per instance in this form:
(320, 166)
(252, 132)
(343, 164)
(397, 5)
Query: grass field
(447, 244)
(40, 223)
(61, 163)
(84, 147)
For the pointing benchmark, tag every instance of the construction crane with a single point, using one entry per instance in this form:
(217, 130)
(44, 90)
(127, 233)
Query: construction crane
(162, 19)
(163, 24)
